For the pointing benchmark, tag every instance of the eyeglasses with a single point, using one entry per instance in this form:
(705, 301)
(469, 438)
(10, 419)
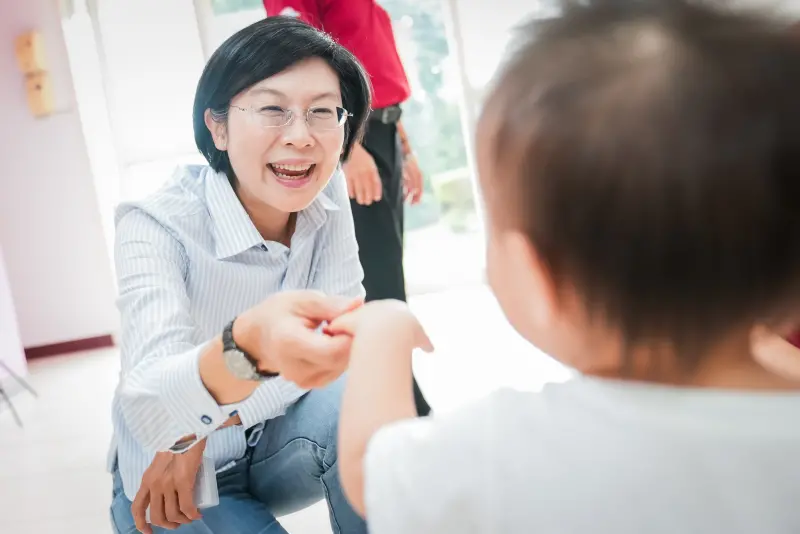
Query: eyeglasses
(320, 118)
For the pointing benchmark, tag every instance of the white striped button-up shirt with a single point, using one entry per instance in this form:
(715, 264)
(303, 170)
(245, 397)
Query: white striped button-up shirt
(188, 260)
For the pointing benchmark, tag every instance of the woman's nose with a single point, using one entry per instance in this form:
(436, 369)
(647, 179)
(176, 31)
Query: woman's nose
(297, 132)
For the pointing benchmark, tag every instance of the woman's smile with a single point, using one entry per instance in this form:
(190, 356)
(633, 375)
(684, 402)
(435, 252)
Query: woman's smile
(293, 175)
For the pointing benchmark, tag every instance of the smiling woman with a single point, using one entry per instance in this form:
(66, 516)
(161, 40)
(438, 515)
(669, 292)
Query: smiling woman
(211, 273)
(248, 121)
(325, 118)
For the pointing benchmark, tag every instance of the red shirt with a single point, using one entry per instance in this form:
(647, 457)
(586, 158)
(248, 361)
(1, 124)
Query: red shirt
(365, 29)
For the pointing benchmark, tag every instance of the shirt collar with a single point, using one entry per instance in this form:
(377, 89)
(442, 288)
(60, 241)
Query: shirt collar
(235, 232)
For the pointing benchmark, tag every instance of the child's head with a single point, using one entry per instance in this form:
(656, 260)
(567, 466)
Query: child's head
(640, 163)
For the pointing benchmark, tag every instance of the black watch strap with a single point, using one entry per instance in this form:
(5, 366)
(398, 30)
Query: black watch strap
(228, 344)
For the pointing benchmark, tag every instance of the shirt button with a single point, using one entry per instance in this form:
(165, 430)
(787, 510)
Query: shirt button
(264, 247)
(206, 420)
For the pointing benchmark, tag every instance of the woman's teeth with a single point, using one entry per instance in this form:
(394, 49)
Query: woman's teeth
(301, 168)
(291, 171)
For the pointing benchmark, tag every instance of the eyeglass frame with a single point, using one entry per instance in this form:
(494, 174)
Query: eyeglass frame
(291, 114)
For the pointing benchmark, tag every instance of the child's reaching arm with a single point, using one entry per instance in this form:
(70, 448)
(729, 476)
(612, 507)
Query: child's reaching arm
(379, 383)
(407, 474)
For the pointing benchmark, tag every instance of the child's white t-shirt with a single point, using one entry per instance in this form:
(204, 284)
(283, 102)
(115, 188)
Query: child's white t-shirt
(592, 456)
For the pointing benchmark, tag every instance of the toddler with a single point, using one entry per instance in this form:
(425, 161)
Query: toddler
(640, 165)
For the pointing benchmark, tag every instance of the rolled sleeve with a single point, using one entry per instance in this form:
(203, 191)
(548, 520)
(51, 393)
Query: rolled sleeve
(269, 401)
(162, 397)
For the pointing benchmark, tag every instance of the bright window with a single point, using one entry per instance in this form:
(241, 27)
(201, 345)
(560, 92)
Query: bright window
(444, 246)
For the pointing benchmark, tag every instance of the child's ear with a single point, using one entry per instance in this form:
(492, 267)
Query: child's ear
(536, 280)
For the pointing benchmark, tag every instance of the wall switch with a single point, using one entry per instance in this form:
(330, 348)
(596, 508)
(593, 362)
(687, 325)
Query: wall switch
(39, 89)
(29, 49)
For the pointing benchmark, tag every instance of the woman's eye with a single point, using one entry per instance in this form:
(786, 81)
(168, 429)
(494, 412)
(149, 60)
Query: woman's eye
(271, 110)
(322, 112)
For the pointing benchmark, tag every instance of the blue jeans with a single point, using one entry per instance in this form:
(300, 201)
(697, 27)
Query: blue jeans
(291, 467)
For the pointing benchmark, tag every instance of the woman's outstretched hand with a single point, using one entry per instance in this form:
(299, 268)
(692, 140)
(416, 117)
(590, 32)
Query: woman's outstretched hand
(283, 335)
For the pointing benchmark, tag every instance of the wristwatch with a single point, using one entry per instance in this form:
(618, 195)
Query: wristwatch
(239, 363)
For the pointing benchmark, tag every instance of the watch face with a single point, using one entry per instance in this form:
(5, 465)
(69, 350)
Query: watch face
(239, 366)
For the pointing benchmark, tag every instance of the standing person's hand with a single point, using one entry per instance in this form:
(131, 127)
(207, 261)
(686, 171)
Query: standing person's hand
(412, 180)
(168, 489)
(363, 180)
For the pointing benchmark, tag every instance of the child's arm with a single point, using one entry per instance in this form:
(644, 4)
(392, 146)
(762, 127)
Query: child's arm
(379, 383)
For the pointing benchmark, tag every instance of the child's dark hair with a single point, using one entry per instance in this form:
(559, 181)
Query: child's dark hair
(651, 153)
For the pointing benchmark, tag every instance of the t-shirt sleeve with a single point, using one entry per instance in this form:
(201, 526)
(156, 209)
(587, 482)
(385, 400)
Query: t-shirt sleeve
(427, 476)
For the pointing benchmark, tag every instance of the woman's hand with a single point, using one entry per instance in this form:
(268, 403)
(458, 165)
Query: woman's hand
(282, 334)
(168, 489)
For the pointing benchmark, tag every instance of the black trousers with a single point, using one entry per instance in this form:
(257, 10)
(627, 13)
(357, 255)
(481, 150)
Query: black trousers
(379, 226)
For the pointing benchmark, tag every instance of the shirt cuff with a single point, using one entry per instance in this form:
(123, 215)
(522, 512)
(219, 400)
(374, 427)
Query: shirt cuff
(186, 398)
(268, 401)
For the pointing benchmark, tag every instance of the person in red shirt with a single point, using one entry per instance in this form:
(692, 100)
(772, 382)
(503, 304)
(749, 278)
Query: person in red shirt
(381, 172)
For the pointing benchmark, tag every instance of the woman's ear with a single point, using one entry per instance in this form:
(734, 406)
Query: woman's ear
(219, 131)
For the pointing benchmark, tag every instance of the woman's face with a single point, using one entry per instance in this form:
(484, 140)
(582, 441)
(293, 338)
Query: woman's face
(284, 167)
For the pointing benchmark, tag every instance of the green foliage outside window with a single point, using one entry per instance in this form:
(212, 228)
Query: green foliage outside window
(433, 124)
(221, 7)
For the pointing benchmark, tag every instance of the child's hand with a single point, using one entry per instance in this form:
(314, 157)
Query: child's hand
(382, 317)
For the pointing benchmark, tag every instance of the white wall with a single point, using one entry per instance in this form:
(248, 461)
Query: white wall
(50, 229)
(11, 353)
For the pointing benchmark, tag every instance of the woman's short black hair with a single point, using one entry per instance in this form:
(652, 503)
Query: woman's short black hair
(651, 153)
(265, 49)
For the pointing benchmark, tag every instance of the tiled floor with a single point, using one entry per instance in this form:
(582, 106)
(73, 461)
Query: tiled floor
(52, 477)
